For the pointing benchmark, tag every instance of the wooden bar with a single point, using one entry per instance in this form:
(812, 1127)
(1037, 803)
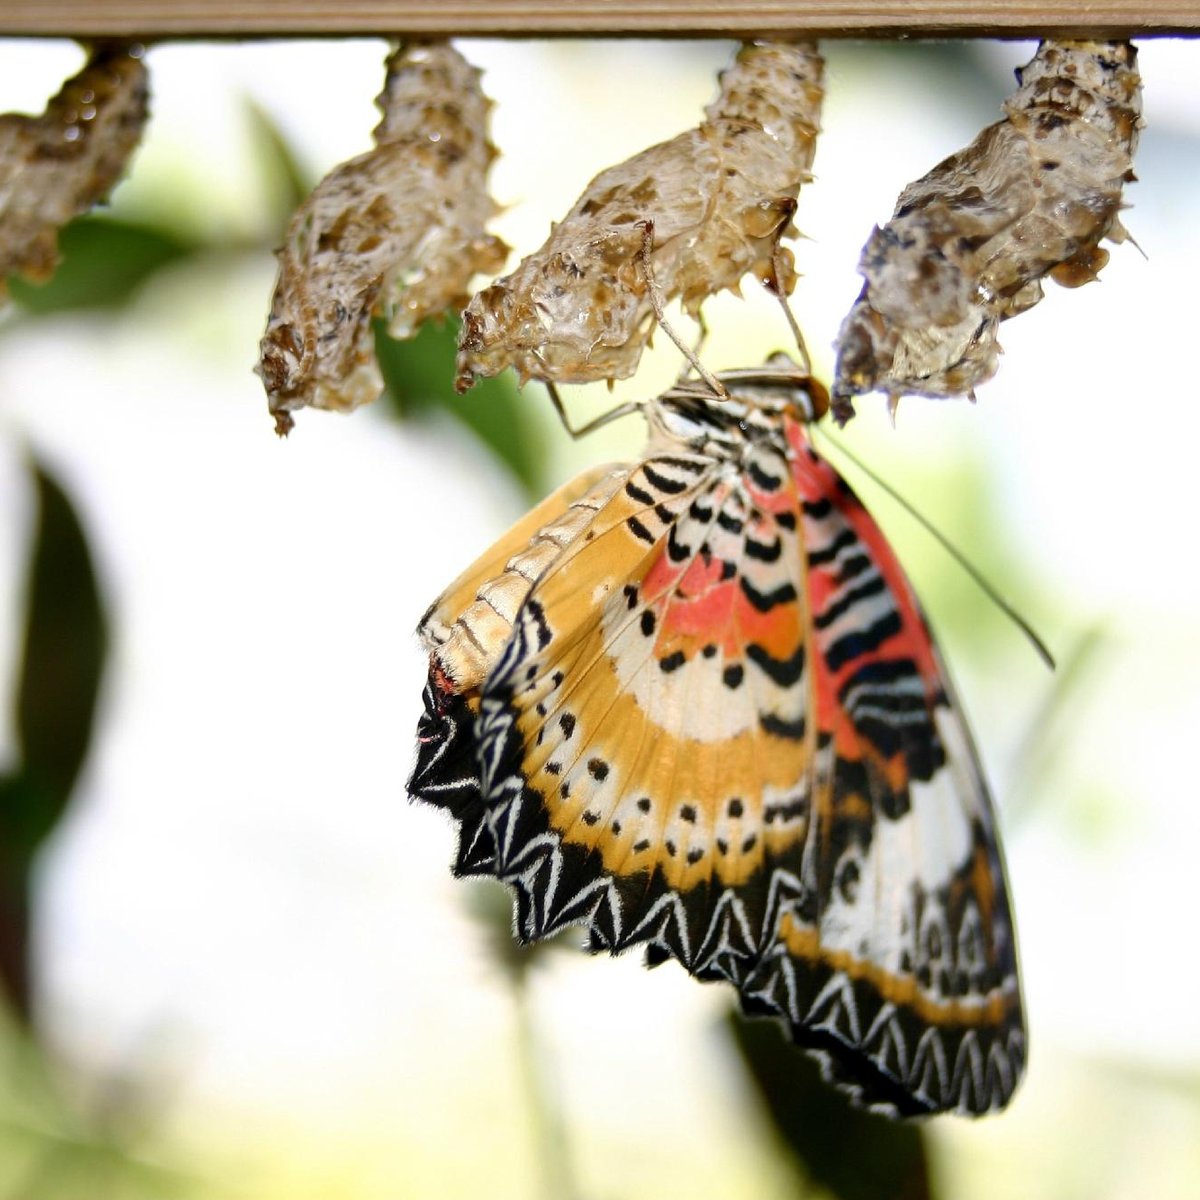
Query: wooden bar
(153, 19)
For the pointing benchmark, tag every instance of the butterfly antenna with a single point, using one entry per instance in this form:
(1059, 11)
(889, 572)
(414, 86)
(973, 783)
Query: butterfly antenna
(613, 414)
(955, 553)
(656, 300)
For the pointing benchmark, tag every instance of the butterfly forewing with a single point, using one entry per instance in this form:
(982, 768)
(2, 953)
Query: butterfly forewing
(465, 631)
(719, 728)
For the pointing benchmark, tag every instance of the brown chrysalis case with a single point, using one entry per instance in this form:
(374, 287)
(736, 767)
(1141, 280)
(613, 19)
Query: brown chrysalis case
(395, 233)
(56, 166)
(720, 198)
(969, 244)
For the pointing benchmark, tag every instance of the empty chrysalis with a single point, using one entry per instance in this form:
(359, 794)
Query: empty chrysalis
(718, 198)
(56, 166)
(969, 244)
(395, 233)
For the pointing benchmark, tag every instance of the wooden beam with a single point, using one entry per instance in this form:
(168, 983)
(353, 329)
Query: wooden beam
(153, 19)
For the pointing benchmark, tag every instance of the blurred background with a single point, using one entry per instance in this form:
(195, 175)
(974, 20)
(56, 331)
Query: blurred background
(251, 972)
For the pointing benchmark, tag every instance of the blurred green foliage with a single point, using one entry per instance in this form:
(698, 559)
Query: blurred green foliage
(420, 380)
(56, 1148)
(284, 181)
(104, 261)
(63, 656)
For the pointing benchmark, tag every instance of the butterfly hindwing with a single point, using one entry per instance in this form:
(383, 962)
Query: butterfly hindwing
(902, 965)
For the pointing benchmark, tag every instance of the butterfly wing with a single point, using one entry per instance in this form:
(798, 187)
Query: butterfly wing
(895, 957)
(464, 631)
(720, 728)
(638, 736)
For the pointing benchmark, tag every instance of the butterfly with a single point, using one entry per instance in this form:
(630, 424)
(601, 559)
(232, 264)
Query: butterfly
(691, 703)
(970, 242)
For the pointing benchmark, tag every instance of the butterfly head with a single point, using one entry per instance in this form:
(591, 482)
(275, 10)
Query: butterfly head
(751, 405)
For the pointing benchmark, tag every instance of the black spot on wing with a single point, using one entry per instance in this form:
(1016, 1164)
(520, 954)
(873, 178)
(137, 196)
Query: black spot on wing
(672, 662)
(838, 609)
(677, 551)
(854, 566)
(784, 727)
(863, 641)
(764, 551)
(827, 553)
(785, 671)
(664, 483)
(763, 478)
(639, 531)
(785, 593)
(785, 810)
(542, 629)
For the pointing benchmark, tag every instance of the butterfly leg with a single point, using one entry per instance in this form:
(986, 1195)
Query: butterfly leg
(613, 414)
(781, 268)
(660, 315)
(697, 346)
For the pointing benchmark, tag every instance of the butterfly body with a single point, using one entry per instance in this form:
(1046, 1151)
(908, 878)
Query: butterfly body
(713, 722)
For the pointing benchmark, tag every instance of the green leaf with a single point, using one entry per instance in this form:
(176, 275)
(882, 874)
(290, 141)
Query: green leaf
(104, 262)
(63, 658)
(285, 182)
(420, 379)
(855, 1155)
(65, 645)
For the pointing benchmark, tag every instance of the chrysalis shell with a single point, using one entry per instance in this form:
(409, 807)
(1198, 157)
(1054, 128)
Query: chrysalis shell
(970, 243)
(56, 166)
(395, 233)
(720, 197)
